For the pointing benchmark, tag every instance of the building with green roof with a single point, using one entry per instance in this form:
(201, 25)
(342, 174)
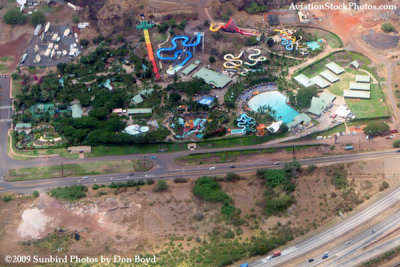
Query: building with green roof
(214, 78)
(137, 99)
(136, 111)
(77, 111)
(20, 126)
(321, 103)
(300, 119)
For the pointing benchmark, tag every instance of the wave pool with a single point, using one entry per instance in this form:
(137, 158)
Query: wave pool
(277, 102)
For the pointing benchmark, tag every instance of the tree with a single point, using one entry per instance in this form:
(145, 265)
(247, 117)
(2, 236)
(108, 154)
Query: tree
(35, 194)
(270, 42)
(161, 186)
(14, 17)
(175, 97)
(376, 128)
(99, 113)
(251, 41)
(305, 95)
(387, 27)
(396, 143)
(211, 59)
(37, 18)
(84, 42)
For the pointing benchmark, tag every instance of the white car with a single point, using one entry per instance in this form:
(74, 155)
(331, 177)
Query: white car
(212, 168)
(85, 177)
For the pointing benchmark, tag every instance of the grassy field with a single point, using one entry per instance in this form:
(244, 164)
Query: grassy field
(344, 83)
(6, 59)
(16, 87)
(70, 170)
(3, 68)
(99, 151)
(332, 40)
(230, 156)
(369, 108)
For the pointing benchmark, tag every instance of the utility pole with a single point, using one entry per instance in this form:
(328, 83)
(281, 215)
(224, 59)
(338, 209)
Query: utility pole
(62, 169)
(294, 152)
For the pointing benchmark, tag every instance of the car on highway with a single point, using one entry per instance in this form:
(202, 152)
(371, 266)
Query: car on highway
(244, 265)
(153, 157)
(232, 167)
(347, 242)
(85, 177)
(325, 256)
(310, 260)
(212, 168)
(372, 231)
(277, 163)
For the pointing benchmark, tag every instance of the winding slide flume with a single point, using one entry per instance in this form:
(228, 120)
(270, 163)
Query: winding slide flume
(186, 43)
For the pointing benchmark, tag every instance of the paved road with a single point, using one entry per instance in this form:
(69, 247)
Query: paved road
(161, 172)
(360, 244)
(331, 234)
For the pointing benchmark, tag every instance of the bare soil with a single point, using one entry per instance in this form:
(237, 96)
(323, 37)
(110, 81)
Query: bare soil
(139, 220)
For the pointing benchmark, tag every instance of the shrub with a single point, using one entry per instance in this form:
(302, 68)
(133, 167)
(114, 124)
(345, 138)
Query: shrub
(95, 187)
(14, 17)
(311, 167)
(198, 216)
(73, 192)
(387, 27)
(150, 181)
(231, 177)
(396, 143)
(383, 186)
(7, 199)
(35, 194)
(212, 59)
(229, 234)
(84, 42)
(180, 180)
(208, 189)
(339, 180)
(161, 186)
(37, 18)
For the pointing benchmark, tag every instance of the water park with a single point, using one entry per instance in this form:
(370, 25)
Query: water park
(236, 64)
(180, 56)
(246, 123)
(185, 127)
(231, 26)
(289, 41)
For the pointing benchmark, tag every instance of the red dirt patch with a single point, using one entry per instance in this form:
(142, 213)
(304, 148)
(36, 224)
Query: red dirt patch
(15, 49)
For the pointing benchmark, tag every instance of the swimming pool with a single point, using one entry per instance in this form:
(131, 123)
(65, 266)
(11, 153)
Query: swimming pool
(277, 102)
(313, 45)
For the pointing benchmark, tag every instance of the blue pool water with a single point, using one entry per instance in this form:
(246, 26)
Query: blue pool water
(237, 131)
(313, 45)
(277, 102)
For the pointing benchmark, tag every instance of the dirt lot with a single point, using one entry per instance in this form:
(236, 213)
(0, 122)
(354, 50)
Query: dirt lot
(129, 221)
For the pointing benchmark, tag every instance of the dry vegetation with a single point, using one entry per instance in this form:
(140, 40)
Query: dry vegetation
(137, 220)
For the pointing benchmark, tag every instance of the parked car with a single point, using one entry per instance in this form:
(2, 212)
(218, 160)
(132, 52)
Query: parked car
(389, 137)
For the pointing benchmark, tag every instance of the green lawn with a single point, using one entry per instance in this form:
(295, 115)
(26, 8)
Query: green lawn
(92, 168)
(16, 87)
(344, 83)
(6, 59)
(369, 108)
(3, 68)
(332, 39)
(317, 68)
(230, 156)
(98, 151)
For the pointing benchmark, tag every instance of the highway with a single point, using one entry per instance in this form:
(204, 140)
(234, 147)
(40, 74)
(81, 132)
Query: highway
(306, 247)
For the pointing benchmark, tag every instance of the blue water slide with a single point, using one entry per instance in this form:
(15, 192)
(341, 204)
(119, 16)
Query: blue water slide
(288, 44)
(185, 43)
